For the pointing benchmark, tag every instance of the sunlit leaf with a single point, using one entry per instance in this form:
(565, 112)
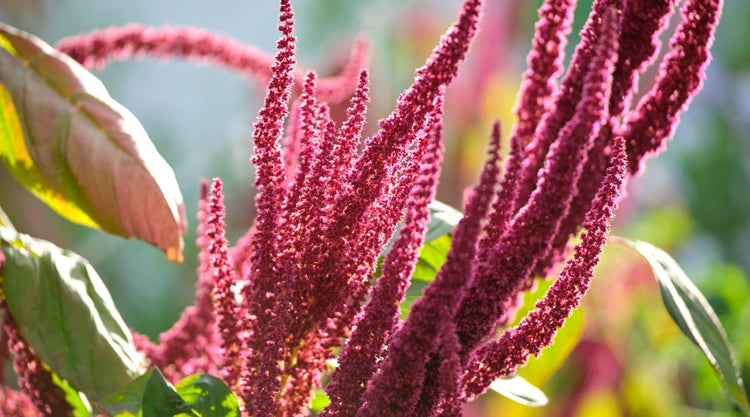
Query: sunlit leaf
(689, 309)
(67, 315)
(208, 396)
(519, 390)
(85, 155)
(319, 400)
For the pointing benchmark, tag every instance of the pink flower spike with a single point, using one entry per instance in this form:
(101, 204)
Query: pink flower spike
(440, 301)
(226, 310)
(188, 347)
(358, 360)
(642, 22)
(544, 65)
(564, 103)
(264, 299)
(652, 123)
(531, 231)
(351, 131)
(501, 357)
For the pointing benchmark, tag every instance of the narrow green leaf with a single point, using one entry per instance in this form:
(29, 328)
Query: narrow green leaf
(162, 400)
(67, 315)
(208, 396)
(519, 390)
(127, 402)
(693, 314)
(85, 155)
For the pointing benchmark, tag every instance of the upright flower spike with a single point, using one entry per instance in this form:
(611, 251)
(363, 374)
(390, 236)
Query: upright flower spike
(384, 151)
(681, 75)
(189, 346)
(226, 309)
(501, 357)
(96, 49)
(545, 64)
(641, 23)
(530, 233)
(262, 299)
(429, 322)
(564, 103)
(358, 360)
(33, 378)
(351, 131)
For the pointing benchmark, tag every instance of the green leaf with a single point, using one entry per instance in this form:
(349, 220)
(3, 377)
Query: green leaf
(519, 390)
(431, 259)
(319, 400)
(162, 400)
(77, 400)
(127, 402)
(208, 396)
(443, 219)
(695, 317)
(67, 315)
(200, 395)
(85, 155)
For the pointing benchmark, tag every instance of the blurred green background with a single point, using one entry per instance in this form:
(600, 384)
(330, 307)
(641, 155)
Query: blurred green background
(626, 357)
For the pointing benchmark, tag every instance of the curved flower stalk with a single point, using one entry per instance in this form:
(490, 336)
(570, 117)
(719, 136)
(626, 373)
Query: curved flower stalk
(96, 49)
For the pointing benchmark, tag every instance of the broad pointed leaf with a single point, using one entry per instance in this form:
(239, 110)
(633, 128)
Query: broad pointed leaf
(67, 315)
(208, 396)
(162, 400)
(63, 137)
(695, 317)
(127, 402)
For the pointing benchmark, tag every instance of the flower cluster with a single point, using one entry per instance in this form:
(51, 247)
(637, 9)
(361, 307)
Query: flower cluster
(298, 289)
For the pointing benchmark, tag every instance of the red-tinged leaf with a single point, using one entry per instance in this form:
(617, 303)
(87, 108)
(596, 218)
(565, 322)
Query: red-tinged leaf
(85, 155)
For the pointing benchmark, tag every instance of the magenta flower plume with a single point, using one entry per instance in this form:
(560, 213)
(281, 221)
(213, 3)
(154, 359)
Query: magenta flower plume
(263, 297)
(96, 49)
(397, 388)
(359, 358)
(500, 358)
(33, 378)
(224, 278)
(189, 346)
(681, 75)
(531, 231)
(545, 63)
